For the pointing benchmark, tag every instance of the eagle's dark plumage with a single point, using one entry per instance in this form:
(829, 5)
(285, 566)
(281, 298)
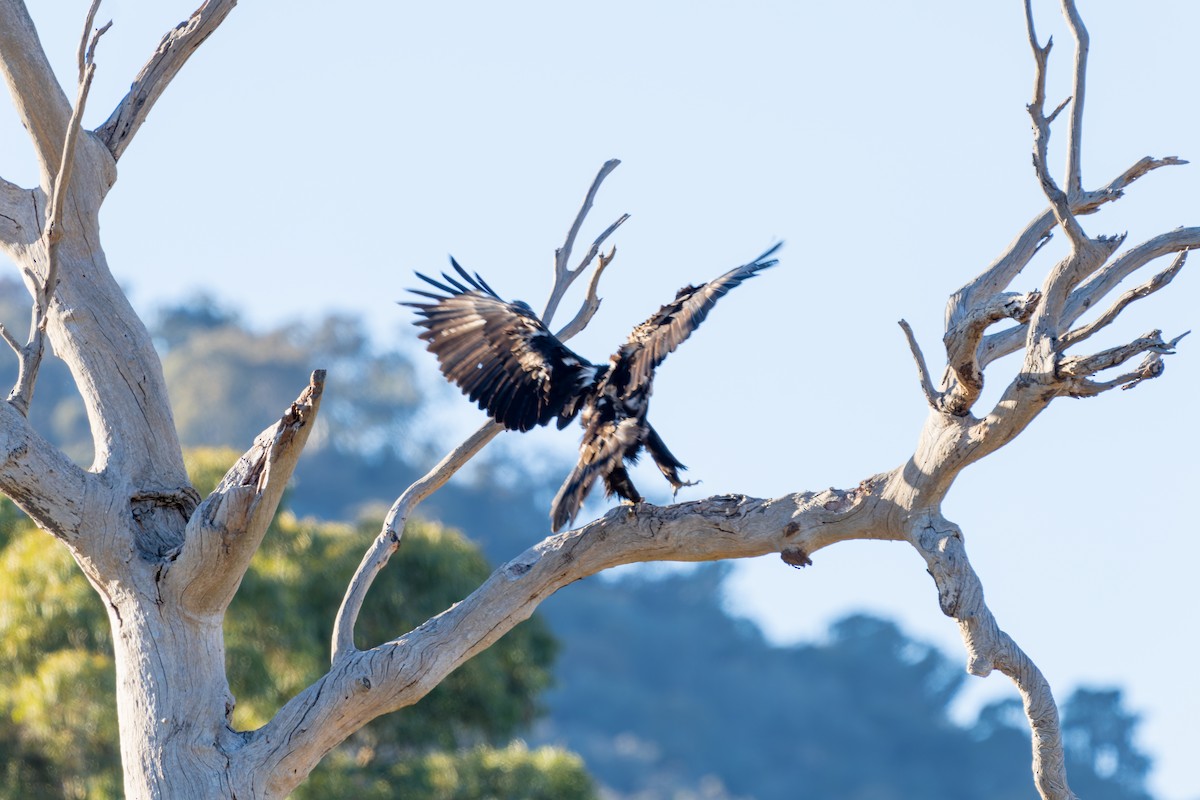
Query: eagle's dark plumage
(503, 357)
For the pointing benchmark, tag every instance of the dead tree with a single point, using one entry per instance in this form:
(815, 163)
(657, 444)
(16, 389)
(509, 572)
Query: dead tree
(167, 562)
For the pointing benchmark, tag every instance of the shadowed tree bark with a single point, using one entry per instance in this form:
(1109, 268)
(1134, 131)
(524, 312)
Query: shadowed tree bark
(167, 562)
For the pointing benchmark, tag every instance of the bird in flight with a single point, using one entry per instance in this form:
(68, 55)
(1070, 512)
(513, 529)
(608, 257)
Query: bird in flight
(505, 359)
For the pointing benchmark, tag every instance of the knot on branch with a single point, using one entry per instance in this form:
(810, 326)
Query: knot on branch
(796, 557)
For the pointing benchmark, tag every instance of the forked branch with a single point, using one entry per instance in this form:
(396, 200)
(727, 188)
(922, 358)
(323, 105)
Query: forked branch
(29, 355)
(388, 540)
(564, 276)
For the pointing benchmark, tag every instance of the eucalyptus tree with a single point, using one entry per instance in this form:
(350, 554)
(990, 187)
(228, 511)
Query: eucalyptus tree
(167, 562)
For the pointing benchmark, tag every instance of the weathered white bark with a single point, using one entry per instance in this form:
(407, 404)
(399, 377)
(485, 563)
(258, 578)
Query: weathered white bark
(167, 564)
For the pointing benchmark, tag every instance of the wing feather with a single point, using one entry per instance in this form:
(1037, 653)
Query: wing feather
(499, 353)
(656, 338)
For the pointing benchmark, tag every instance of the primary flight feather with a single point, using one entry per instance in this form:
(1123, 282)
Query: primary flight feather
(503, 358)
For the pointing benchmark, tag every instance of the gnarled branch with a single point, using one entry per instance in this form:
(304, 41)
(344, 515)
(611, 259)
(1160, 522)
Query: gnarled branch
(227, 528)
(364, 684)
(960, 594)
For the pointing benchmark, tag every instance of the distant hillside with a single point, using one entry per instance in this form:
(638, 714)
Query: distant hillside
(664, 694)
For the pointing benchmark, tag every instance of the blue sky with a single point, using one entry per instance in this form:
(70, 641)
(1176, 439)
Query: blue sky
(306, 161)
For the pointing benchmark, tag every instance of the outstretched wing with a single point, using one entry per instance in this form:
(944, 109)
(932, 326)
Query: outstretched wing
(657, 337)
(499, 353)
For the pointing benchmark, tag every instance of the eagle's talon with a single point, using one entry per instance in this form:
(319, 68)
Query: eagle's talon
(682, 485)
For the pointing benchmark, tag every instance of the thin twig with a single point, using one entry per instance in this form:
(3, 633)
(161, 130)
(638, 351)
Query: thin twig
(10, 340)
(1004, 269)
(81, 56)
(932, 397)
(1041, 135)
(563, 275)
(1075, 133)
(1084, 366)
(1137, 293)
(591, 303)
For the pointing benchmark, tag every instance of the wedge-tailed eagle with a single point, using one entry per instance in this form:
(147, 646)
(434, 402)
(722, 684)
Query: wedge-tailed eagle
(503, 358)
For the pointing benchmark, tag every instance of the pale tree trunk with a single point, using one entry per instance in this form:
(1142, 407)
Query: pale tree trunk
(167, 563)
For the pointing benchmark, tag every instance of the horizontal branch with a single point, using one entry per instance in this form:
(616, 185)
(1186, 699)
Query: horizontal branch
(1076, 371)
(364, 684)
(226, 529)
(40, 479)
(173, 52)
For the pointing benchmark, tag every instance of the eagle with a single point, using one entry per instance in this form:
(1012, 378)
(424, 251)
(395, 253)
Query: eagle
(502, 356)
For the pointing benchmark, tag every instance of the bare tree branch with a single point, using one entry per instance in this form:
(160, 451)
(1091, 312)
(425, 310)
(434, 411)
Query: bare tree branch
(932, 396)
(965, 379)
(364, 684)
(1075, 132)
(227, 528)
(1059, 203)
(42, 481)
(564, 276)
(1021, 251)
(591, 302)
(388, 540)
(173, 52)
(1074, 367)
(1094, 289)
(16, 206)
(960, 594)
(1137, 293)
(39, 99)
(29, 356)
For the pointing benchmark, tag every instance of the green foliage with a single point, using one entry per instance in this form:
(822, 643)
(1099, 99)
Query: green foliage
(279, 627)
(55, 651)
(57, 721)
(481, 773)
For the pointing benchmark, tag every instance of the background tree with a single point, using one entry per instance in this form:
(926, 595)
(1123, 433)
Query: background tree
(61, 741)
(168, 564)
